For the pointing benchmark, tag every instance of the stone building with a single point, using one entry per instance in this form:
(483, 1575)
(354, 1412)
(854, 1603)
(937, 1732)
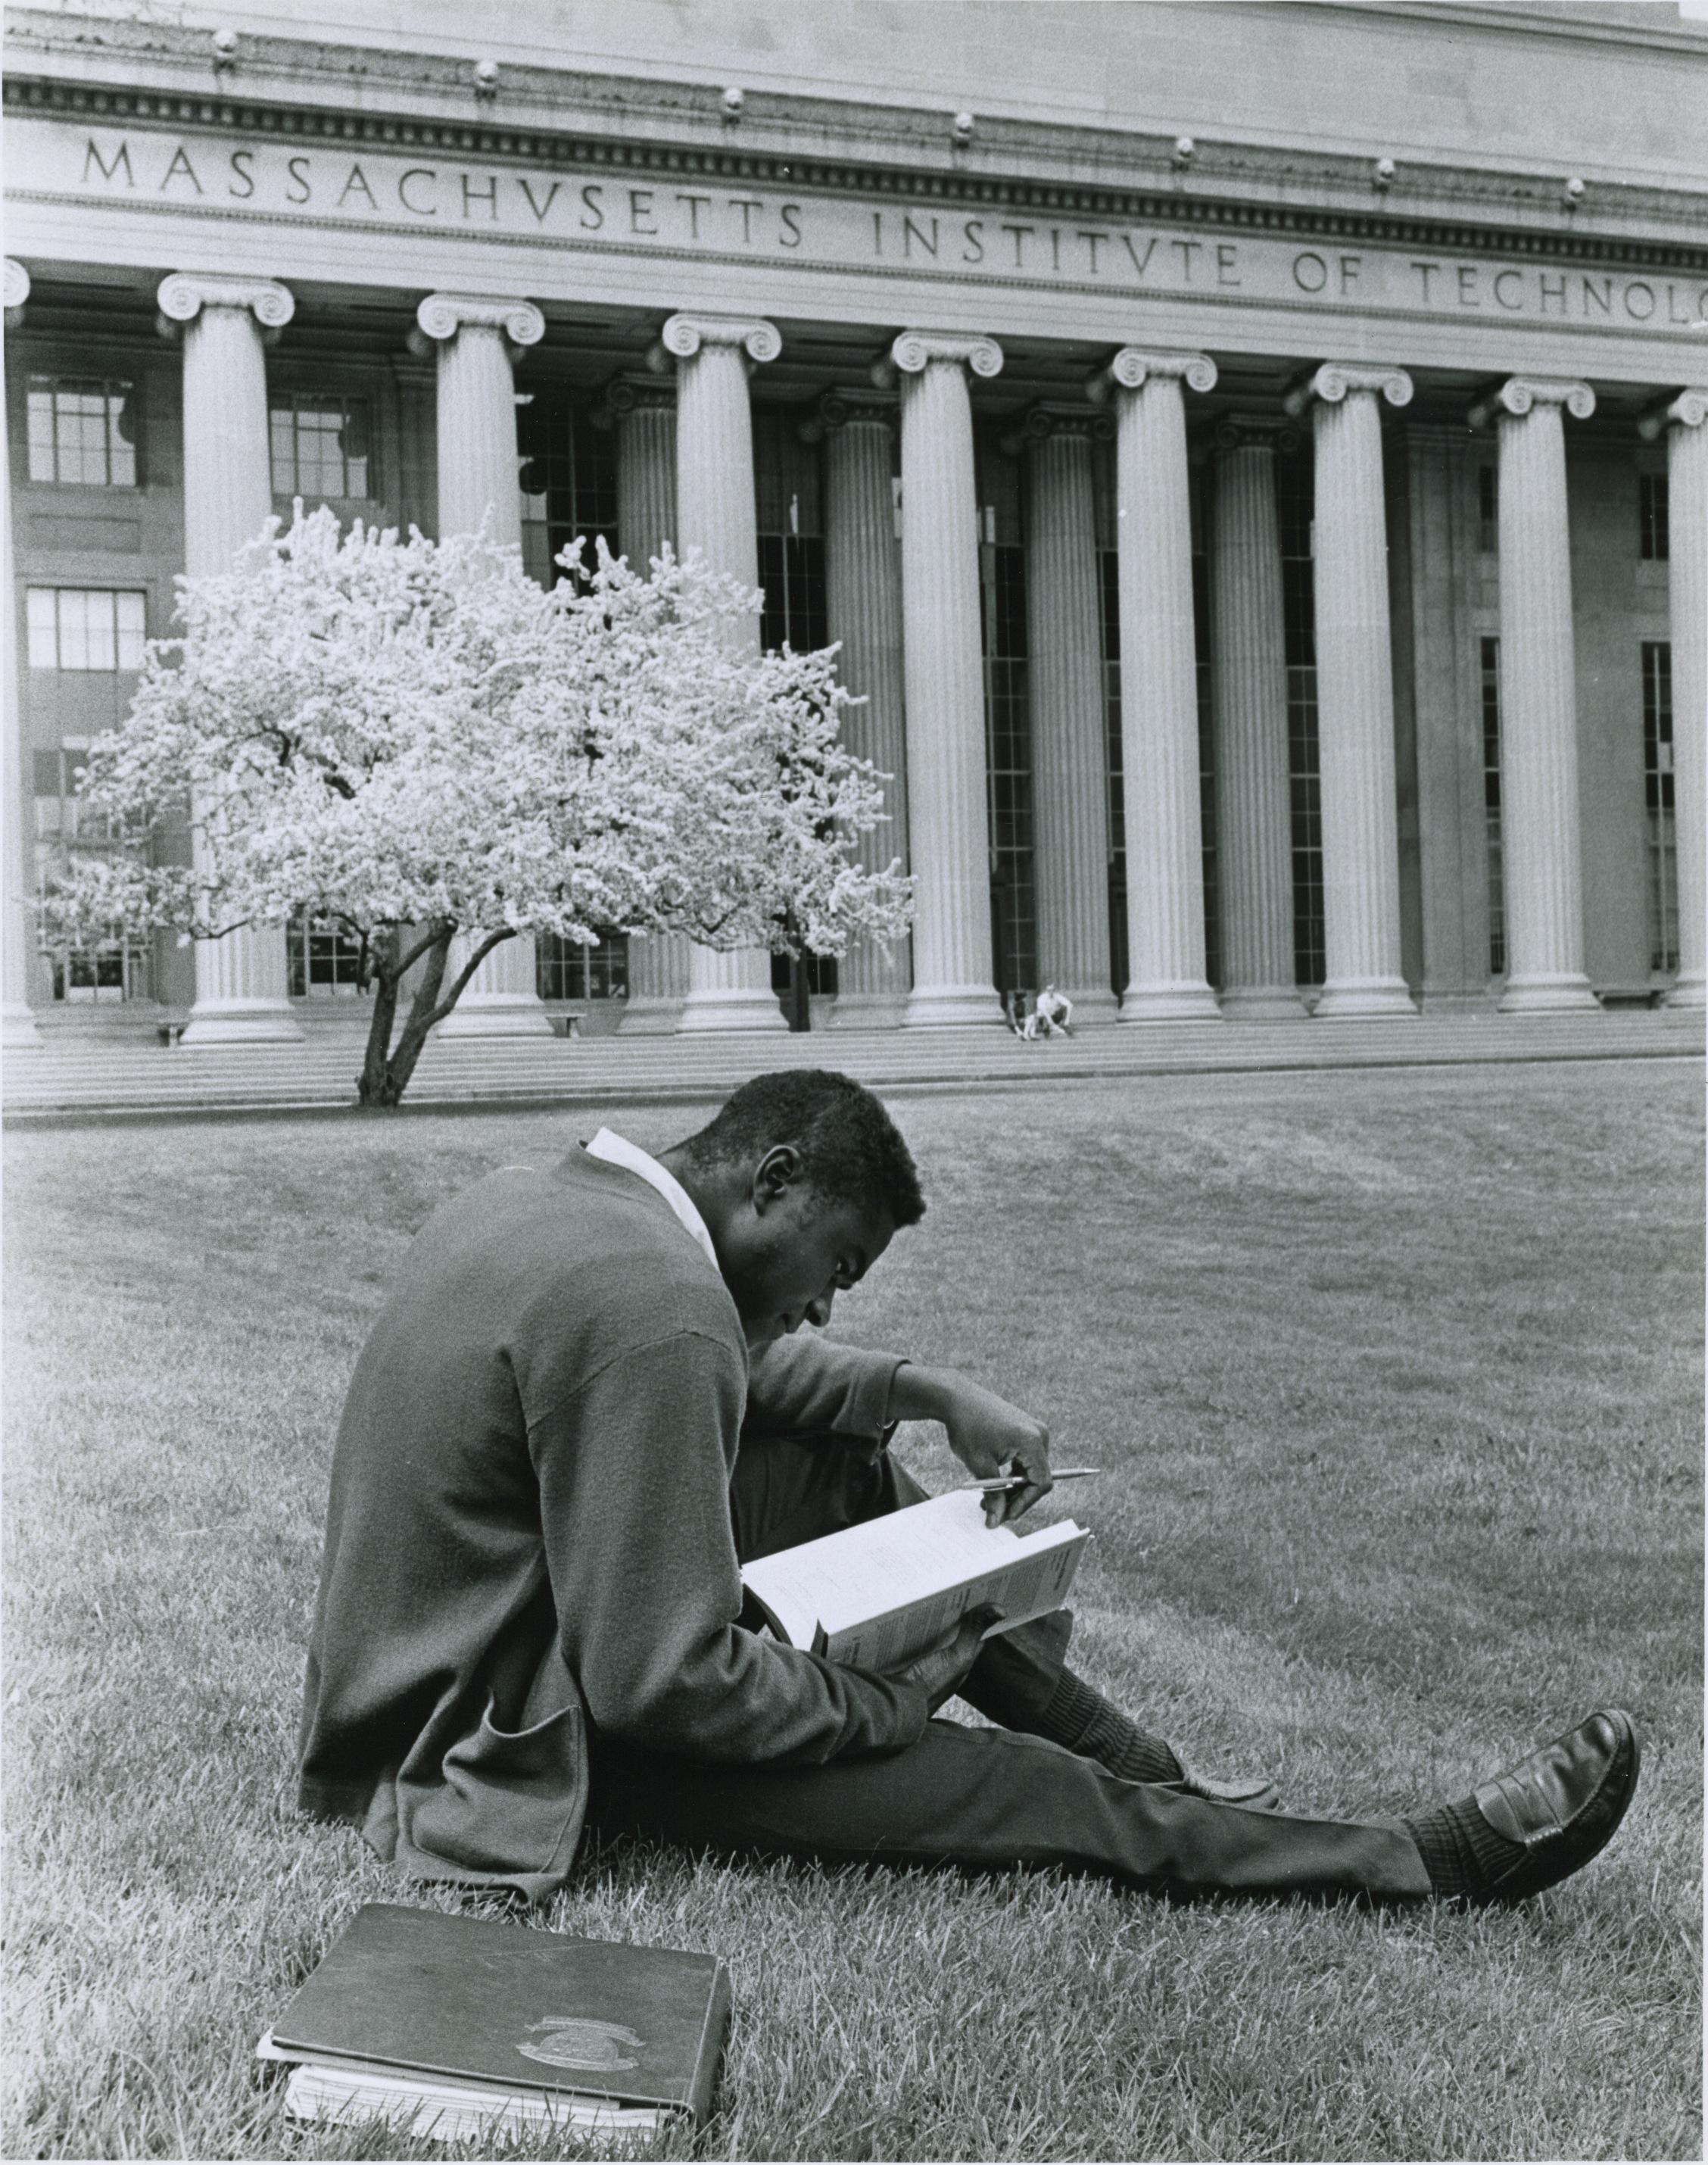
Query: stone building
(1253, 456)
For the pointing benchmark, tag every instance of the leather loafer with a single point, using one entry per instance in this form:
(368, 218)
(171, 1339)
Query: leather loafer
(1561, 1803)
(1256, 1793)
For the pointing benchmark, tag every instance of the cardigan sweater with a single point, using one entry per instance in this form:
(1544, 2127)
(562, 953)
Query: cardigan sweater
(529, 1529)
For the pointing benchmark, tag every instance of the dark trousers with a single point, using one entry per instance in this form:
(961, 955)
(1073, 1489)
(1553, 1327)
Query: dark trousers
(979, 1798)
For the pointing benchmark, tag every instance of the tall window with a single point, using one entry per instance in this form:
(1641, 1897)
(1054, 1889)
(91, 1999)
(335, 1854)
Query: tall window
(1109, 595)
(1657, 796)
(569, 483)
(1200, 497)
(117, 968)
(1488, 509)
(1298, 601)
(90, 629)
(565, 970)
(1653, 530)
(322, 445)
(1489, 662)
(791, 522)
(82, 431)
(325, 961)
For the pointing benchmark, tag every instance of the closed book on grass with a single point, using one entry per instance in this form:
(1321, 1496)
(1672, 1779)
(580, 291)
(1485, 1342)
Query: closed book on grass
(453, 2026)
(877, 1594)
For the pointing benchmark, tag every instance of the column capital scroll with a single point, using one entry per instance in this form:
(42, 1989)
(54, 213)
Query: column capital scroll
(631, 394)
(1051, 417)
(684, 334)
(1242, 432)
(1686, 409)
(441, 316)
(1336, 380)
(184, 294)
(17, 291)
(914, 351)
(846, 405)
(1520, 394)
(1134, 366)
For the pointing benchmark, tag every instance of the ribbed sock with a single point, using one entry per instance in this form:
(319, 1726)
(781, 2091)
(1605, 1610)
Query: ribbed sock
(1462, 1853)
(1086, 1722)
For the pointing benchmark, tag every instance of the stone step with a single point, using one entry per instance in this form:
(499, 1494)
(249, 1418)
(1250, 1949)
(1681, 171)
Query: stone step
(65, 1076)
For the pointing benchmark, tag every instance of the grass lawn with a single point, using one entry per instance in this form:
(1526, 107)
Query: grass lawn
(1396, 1380)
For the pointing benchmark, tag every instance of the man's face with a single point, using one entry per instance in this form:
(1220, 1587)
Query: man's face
(788, 1252)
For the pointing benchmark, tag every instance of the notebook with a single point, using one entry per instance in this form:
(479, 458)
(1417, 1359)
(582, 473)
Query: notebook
(879, 1593)
(456, 2027)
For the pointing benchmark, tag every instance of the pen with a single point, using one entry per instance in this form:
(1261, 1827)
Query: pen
(1018, 1480)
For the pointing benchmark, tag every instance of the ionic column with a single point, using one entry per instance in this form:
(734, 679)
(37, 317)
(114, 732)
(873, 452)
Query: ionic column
(1685, 420)
(1540, 844)
(17, 1022)
(947, 813)
(863, 595)
(1070, 757)
(1249, 679)
(242, 988)
(1355, 693)
(716, 513)
(1159, 685)
(476, 336)
(643, 411)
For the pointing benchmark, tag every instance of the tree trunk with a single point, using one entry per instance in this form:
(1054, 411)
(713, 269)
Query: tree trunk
(387, 1068)
(371, 1083)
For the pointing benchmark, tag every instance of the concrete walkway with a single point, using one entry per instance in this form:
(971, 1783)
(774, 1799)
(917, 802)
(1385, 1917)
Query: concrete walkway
(73, 1078)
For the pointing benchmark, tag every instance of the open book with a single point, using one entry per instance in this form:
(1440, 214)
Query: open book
(877, 1594)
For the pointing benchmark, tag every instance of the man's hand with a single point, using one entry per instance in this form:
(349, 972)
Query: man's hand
(988, 1435)
(940, 1673)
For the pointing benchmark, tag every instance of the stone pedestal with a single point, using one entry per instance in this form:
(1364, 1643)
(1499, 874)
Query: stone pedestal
(1540, 844)
(862, 593)
(730, 988)
(1166, 981)
(478, 484)
(1248, 677)
(1355, 694)
(1686, 421)
(1070, 761)
(947, 816)
(643, 410)
(17, 926)
(242, 987)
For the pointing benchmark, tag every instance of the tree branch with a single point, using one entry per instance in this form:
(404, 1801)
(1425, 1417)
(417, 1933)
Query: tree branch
(461, 983)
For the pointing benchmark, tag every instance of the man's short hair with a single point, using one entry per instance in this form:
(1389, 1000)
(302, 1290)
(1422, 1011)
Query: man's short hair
(851, 1149)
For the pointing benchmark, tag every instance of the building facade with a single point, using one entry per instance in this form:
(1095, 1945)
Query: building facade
(1254, 458)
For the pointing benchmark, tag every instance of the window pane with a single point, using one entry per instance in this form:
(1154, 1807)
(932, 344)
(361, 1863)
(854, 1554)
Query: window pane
(41, 432)
(131, 630)
(44, 641)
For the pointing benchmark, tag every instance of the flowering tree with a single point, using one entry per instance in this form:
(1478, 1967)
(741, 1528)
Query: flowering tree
(412, 739)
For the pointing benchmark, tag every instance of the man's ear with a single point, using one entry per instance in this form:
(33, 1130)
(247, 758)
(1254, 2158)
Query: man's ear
(777, 1172)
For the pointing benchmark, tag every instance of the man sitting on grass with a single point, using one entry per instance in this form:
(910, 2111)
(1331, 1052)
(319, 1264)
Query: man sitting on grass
(587, 1399)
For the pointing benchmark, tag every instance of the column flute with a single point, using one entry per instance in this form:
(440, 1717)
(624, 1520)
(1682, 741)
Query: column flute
(643, 409)
(1069, 755)
(1166, 980)
(477, 336)
(1355, 692)
(715, 512)
(947, 807)
(242, 992)
(863, 598)
(1540, 848)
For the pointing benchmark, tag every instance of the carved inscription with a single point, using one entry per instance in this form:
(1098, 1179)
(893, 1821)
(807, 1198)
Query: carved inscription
(623, 210)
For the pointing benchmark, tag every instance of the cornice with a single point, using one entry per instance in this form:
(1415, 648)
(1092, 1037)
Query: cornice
(137, 75)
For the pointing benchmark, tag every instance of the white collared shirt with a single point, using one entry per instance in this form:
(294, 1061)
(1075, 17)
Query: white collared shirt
(614, 1151)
